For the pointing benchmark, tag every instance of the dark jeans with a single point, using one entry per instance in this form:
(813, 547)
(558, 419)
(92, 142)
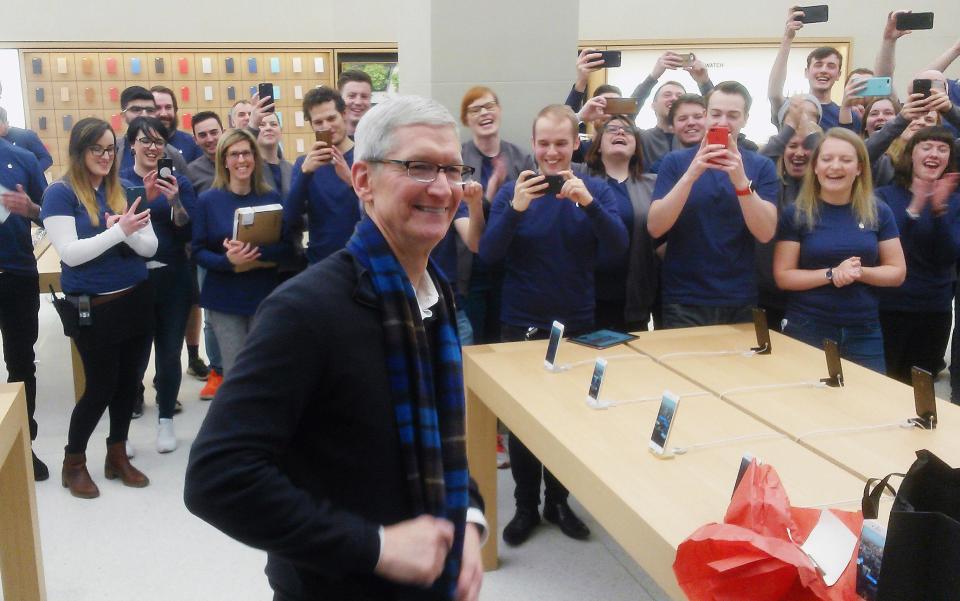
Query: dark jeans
(19, 328)
(862, 344)
(914, 339)
(524, 465)
(955, 350)
(685, 316)
(171, 308)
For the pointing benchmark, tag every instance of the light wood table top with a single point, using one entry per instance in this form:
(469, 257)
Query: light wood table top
(823, 419)
(649, 505)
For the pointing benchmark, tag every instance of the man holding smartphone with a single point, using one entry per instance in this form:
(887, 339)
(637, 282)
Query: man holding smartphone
(550, 243)
(22, 184)
(137, 101)
(824, 67)
(710, 203)
(321, 185)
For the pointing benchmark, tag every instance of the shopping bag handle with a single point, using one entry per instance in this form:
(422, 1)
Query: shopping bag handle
(871, 498)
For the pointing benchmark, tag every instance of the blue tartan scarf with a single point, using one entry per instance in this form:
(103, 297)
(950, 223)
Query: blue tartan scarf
(426, 381)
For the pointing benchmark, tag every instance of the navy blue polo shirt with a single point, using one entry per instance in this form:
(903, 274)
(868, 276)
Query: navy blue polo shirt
(30, 141)
(831, 118)
(223, 290)
(931, 246)
(445, 252)
(187, 146)
(171, 240)
(709, 259)
(117, 268)
(550, 253)
(331, 205)
(837, 236)
(18, 166)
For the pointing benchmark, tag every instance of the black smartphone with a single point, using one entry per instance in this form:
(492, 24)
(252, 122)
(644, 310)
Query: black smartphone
(762, 330)
(922, 86)
(263, 91)
(924, 398)
(819, 13)
(135, 192)
(611, 58)
(834, 369)
(554, 184)
(914, 21)
(165, 169)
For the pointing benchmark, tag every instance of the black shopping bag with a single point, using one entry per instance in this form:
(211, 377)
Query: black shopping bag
(921, 557)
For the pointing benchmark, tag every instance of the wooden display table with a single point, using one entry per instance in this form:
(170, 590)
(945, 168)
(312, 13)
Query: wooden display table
(833, 422)
(648, 505)
(21, 565)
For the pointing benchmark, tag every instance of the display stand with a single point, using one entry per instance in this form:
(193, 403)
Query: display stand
(21, 565)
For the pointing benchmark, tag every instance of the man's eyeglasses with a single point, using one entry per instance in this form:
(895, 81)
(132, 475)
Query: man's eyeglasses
(151, 142)
(100, 151)
(476, 110)
(426, 173)
(136, 110)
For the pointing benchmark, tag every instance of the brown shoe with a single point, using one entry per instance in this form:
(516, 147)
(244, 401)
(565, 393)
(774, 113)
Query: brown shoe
(118, 465)
(76, 477)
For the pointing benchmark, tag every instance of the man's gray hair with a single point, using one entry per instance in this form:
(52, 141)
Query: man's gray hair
(374, 134)
(3, 115)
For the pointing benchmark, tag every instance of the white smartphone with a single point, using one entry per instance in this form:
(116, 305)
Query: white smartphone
(556, 334)
(596, 382)
(663, 427)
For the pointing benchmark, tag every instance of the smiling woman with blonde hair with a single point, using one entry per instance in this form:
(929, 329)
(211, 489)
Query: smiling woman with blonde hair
(834, 247)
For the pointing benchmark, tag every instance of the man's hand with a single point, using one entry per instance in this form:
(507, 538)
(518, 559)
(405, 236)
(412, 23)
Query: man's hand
(340, 166)
(530, 186)
(588, 61)
(706, 158)
(320, 154)
(18, 203)
(414, 551)
(471, 567)
(698, 71)
(261, 107)
(915, 107)
(890, 31)
(732, 163)
(667, 60)
(851, 91)
(575, 190)
(939, 101)
(593, 109)
(240, 253)
(794, 24)
(473, 194)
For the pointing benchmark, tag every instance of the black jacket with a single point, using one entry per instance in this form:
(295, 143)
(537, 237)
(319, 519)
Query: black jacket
(299, 453)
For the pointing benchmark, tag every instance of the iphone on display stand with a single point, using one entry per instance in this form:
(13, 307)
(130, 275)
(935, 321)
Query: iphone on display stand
(663, 426)
(556, 334)
(924, 399)
(596, 383)
(763, 332)
(834, 369)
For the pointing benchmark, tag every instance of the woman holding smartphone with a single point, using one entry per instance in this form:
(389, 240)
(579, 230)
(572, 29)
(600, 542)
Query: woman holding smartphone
(889, 128)
(916, 317)
(627, 284)
(102, 243)
(169, 202)
(239, 275)
(834, 248)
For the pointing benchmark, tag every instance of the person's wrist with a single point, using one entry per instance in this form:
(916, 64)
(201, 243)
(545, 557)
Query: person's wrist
(518, 205)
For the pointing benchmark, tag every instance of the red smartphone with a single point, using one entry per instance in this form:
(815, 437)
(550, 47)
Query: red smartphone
(718, 135)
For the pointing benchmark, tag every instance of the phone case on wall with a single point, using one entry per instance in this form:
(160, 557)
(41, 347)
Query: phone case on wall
(318, 64)
(252, 65)
(186, 121)
(135, 66)
(274, 64)
(65, 94)
(61, 65)
(114, 94)
(88, 95)
(206, 64)
(37, 66)
(39, 94)
(184, 65)
(298, 92)
(111, 65)
(115, 122)
(208, 93)
(185, 93)
(228, 64)
(253, 90)
(231, 93)
(158, 65)
(297, 64)
(86, 65)
(42, 122)
(276, 92)
(67, 122)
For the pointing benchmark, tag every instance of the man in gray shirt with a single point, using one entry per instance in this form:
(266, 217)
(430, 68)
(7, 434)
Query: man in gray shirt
(207, 129)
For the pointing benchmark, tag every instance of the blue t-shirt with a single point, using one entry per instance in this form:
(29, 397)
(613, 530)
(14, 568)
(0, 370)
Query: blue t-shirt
(224, 290)
(710, 252)
(550, 253)
(611, 275)
(18, 166)
(117, 268)
(831, 118)
(931, 246)
(445, 252)
(30, 141)
(837, 236)
(187, 146)
(332, 207)
(171, 240)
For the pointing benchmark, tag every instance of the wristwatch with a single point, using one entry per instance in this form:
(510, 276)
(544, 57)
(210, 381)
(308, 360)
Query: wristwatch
(911, 214)
(830, 273)
(745, 191)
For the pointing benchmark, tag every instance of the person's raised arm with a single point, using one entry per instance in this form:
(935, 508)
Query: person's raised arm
(886, 57)
(471, 229)
(942, 62)
(667, 60)
(673, 187)
(588, 61)
(778, 72)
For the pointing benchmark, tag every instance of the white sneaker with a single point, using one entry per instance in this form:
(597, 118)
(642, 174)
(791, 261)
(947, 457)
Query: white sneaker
(166, 439)
(131, 452)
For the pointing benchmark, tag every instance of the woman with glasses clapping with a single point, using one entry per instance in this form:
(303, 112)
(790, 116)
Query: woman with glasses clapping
(102, 243)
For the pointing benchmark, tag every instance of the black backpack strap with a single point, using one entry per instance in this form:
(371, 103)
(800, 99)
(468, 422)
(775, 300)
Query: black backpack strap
(871, 498)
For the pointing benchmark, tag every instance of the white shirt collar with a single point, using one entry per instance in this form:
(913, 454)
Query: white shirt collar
(427, 295)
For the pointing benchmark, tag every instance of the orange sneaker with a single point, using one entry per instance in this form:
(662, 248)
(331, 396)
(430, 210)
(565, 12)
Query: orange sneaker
(214, 379)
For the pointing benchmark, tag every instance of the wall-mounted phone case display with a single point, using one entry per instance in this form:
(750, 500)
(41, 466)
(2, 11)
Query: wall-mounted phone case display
(66, 85)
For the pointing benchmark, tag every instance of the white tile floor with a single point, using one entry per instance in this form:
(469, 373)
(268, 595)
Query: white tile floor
(143, 544)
